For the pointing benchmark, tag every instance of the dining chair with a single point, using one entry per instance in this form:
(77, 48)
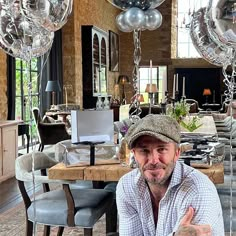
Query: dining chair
(49, 133)
(59, 207)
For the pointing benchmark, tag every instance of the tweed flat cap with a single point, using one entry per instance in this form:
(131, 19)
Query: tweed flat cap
(161, 127)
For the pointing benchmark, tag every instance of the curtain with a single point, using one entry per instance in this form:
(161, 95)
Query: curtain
(11, 87)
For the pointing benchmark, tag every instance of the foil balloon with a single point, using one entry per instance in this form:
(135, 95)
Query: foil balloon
(156, 3)
(49, 14)
(134, 18)
(20, 37)
(153, 19)
(221, 18)
(122, 26)
(127, 4)
(211, 51)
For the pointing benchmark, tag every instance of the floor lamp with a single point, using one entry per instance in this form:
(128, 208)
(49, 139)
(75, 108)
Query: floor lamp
(53, 86)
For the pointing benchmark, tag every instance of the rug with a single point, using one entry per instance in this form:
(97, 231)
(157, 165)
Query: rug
(12, 223)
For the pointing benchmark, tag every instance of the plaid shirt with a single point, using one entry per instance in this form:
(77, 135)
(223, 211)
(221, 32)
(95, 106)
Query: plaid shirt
(188, 187)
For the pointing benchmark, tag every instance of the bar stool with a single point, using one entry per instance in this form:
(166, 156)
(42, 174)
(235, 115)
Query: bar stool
(23, 129)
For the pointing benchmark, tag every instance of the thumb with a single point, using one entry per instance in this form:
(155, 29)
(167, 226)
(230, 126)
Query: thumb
(186, 220)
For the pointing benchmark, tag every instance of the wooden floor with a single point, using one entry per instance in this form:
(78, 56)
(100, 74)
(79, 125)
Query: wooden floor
(10, 195)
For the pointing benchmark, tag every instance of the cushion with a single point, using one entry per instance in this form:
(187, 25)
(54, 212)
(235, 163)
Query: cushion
(48, 119)
(90, 205)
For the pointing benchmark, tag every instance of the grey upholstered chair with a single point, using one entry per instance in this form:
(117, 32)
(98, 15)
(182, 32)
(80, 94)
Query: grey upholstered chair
(60, 207)
(49, 133)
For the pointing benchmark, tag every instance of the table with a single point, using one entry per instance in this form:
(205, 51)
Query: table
(113, 172)
(211, 106)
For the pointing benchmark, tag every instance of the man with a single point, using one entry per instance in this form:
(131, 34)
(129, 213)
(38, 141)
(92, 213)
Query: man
(163, 196)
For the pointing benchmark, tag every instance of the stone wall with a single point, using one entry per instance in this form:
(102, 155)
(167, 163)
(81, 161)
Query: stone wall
(98, 13)
(158, 46)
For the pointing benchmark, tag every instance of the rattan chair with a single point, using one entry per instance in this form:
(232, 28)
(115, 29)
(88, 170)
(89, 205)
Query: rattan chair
(60, 207)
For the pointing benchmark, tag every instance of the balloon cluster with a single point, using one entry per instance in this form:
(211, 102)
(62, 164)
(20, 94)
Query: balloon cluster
(27, 26)
(138, 14)
(213, 33)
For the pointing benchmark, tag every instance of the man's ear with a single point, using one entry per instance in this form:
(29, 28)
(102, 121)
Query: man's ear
(177, 153)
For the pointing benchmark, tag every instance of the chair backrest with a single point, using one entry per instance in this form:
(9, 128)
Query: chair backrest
(37, 115)
(24, 165)
(194, 107)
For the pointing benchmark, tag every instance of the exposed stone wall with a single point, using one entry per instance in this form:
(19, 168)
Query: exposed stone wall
(98, 13)
(158, 45)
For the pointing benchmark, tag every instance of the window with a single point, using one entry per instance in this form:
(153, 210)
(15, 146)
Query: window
(159, 77)
(185, 47)
(26, 76)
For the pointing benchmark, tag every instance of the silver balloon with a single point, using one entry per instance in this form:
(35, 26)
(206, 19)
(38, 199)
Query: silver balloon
(127, 4)
(122, 26)
(220, 22)
(49, 14)
(153, 19)
(20, 37)
(156, 3)
(211, 51)
(134, 18)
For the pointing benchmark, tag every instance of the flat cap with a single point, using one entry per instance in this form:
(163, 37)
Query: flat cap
(161, 127)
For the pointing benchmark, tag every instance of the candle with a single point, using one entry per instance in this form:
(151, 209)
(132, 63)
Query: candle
(173, 95)
(177, 82)
(150, 90)
(66, 97)
(183, 92)
(163, 89)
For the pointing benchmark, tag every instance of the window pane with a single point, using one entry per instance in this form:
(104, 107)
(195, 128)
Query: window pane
(185, 11)
(183, 50)
(159, 77)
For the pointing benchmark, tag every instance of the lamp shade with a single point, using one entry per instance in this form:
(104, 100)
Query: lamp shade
(151, 88)
(140, 97)
(206, 92)
(53, 86)
(122, 79)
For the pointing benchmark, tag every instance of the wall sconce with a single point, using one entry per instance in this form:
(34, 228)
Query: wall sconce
(206, 92)
(123, 79)
(54, 87)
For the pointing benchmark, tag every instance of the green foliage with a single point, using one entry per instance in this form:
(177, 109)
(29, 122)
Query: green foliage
(191, 124)
(179, 111)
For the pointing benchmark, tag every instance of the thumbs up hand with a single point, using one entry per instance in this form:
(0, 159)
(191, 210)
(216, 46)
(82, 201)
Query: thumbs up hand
(186, 228)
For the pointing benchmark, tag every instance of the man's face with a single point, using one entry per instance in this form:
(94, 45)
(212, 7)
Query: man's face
(156, 159)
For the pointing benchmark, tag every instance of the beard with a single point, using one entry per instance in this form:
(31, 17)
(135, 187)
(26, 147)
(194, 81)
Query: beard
(158, 174)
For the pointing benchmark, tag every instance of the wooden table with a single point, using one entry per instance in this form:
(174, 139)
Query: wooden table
(113, 172)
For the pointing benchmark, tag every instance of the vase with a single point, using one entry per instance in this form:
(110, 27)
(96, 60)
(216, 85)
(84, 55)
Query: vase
(124, 152)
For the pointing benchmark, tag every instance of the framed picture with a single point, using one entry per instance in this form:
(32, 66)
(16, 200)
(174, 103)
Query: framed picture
(113, 51)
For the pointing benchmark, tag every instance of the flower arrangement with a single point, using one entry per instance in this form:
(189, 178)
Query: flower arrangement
(192, 123)
(124, 129)
(181, 110)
